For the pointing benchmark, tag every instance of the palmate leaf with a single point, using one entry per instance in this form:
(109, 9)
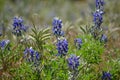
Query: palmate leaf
(85, 29)
(32, 37)
(45, 36)
(34, 31)
(45, 30)
(40, 36)
(82, 29)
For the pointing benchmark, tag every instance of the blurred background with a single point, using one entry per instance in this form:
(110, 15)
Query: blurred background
(70, 11)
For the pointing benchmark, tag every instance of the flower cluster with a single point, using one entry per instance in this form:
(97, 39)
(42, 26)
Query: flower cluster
(73, 62)
(4, 43)
(18, 26)
(97, 18)
(62, 47)
(106, 76)
(57, 27)
(100, 4)
(78, 43)
(97, 15)
(32, 55)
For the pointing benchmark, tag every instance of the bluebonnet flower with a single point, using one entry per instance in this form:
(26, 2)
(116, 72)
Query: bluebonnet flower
(62, 47)
(106, 76)
(78, 43)
(31, 55)
(98, 18)
(4, 43)
(100, 4)
(57, 27)
(103, 38)
(73, 62)
(18, 26)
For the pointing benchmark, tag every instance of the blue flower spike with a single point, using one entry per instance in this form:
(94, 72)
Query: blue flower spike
(98, 18)
(100, 4)
(73, 62)
(33, 55)
(62, 47)
(18, 26)
(57, 27)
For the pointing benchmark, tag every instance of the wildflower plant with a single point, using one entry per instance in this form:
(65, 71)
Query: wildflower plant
(39, 37)
(91, 49)
(90, 55)
(96, 30)
(39, 59)
(8, 60)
